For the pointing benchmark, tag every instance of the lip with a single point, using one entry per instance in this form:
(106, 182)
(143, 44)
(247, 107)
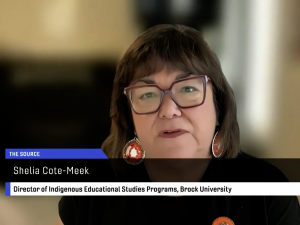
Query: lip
(177, 132)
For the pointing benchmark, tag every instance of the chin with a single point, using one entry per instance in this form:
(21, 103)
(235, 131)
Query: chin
(181, 154)
(173, 154)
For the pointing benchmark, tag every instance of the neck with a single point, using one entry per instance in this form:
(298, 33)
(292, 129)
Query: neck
(176, 170)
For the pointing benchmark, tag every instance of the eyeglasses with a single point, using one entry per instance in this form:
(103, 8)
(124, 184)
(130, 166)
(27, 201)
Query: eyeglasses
(186, 93)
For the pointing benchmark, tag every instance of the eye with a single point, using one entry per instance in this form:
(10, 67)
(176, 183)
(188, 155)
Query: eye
(189, 89)
(147, 95)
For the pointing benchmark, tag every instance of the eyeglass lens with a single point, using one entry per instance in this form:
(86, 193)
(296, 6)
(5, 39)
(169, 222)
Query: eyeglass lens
(186, 93)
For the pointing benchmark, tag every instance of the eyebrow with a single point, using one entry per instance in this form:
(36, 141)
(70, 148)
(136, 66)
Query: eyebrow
(178, 77)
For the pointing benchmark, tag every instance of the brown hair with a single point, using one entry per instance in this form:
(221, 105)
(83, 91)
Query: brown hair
(185, 49)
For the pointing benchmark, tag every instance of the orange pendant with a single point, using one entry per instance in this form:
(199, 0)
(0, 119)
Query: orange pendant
(223, 221)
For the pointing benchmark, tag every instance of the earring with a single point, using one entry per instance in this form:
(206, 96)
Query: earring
(216, 147)
(133, 153)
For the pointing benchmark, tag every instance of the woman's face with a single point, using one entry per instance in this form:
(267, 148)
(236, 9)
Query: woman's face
(197, 123)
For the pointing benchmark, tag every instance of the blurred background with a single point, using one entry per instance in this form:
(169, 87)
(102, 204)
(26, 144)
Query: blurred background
(58, 59)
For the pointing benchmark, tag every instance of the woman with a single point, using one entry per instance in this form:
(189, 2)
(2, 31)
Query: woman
(171, 101)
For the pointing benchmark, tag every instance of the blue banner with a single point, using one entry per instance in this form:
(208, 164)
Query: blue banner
(54, 154)
(7, 188)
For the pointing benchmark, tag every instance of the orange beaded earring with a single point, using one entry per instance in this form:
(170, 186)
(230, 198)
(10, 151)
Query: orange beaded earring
(133, 153)
(216, 148)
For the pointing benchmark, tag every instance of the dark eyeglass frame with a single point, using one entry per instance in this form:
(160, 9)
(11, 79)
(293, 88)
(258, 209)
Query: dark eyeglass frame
(167, 91)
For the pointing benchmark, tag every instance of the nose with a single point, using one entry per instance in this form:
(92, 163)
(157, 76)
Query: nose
(168, 108)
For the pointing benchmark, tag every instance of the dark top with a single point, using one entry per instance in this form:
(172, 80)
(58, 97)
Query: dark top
(244, 210)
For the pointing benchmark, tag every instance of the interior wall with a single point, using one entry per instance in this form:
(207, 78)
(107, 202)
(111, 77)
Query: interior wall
(284, 141)
(66, 29)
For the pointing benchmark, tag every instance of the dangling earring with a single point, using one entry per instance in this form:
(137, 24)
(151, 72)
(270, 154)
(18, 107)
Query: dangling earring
(133, 153)
(216, 147)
